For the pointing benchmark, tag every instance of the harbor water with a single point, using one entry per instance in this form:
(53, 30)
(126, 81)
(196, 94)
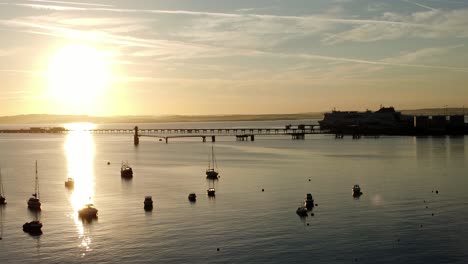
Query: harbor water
(414, 207)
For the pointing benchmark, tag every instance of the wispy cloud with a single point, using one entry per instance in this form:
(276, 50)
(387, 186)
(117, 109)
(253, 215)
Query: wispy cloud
(420, 5)
(69, 3)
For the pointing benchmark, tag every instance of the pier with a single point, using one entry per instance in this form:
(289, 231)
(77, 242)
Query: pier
(205, 134)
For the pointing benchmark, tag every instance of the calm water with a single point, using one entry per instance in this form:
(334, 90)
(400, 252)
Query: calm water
(249, 226)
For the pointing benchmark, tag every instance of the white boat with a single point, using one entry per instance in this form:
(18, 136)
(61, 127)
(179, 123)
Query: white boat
(211, 191)
(211, 172)
(148, 203)
(70, 183)
(2, 193)
(309, 201)
(88, 211)
(34, 202)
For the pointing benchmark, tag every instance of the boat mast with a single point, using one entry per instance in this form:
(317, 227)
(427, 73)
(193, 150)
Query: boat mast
(215, 164)
(1, 183)
(37, 184)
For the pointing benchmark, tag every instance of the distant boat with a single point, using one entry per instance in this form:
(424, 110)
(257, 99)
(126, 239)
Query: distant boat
(301, 211)
(88, 211)
(309, 201)
(211, 173)
(148, 203)
(211, 192)
(2, 193)
(34, 203)
(33, 227)
(126, 171)
(192, 197)
(357, 190)
(70, 183)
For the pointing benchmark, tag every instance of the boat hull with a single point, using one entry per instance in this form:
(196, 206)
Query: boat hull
(34, 204)
(212, 175)
(2, 200)
(33, 227)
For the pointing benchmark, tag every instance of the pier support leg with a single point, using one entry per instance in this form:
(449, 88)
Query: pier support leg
(166, 138)
(252, 137)
(213, 139)
(136, 138)
(204, 139)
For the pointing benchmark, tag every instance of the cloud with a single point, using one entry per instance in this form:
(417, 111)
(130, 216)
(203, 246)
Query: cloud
(438, 24)
(69, 3)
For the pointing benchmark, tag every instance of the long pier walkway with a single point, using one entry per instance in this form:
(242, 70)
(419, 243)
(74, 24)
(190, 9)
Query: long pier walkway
(241, 134)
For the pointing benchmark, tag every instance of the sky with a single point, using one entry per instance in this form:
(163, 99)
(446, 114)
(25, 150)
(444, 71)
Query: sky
(213, 57)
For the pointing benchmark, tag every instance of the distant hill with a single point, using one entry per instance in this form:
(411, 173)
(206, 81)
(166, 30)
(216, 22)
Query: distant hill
(60, 119)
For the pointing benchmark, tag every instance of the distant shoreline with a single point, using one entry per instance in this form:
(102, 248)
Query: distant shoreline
(60, 119)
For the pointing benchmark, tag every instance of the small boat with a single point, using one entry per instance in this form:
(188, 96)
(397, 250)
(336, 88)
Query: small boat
(88, 211)
(301, 211)
(211, 173)
(70, 183)
(34, 202)
(309, 201)
(211, 191)
(192, 197)
(126, 171)
(148, 203)
(2, 193)
(357, 190)
(33, 227)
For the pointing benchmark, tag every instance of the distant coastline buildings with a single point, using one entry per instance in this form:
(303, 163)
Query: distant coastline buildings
(388, 121)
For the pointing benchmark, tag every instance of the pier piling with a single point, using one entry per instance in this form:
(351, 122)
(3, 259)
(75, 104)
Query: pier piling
(136, 139)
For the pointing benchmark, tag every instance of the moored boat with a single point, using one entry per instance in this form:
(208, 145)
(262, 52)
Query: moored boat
(126, 171)
(70, 183)
(211, 192)
(88, 211)
(356, 190)
(211, 172)
(301, 211)
(148, 203)
(34, 202)
(309, 201)
(192, 197)
(33, 227)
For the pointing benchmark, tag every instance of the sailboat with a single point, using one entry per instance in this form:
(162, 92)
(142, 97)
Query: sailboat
(2, 193)
(34, 203)
(211, 173)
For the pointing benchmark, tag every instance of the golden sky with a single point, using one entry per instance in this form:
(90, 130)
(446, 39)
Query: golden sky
(158, 57)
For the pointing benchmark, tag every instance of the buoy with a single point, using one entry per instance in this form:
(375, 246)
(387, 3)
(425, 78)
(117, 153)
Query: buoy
(217, 249)
(263, 190)
(427, 207)
(437, 191)
(424, 200)
(421, 226)
(108, 163)
(316, 204)
(307, 223)
(311, 214)
(309, 179)
(432, 214)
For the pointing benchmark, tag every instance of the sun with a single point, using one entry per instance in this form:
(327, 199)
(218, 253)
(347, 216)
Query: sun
(78, 75)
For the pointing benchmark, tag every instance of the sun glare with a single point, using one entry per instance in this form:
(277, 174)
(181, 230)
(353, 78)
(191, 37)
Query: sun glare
(78, 75)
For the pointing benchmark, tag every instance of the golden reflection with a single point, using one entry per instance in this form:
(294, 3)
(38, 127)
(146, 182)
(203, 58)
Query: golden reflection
(79, 149)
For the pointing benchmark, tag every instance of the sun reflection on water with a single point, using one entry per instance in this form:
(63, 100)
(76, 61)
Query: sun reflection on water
(79, 149)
